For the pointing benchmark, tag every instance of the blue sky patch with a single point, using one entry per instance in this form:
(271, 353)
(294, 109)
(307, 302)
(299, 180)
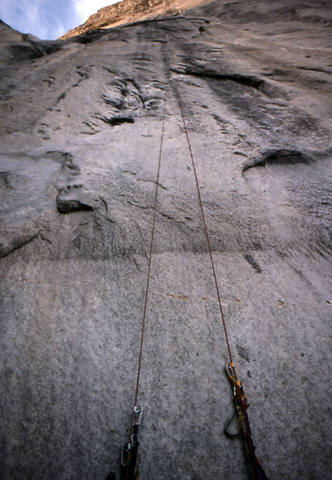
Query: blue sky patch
(48, 19)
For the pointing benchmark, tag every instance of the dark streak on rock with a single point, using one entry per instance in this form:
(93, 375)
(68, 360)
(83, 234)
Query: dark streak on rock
(114, 121)
(151, 181)
(60, 97)
(248, 80)
(71, 205)
(243, 352)
(104, 203)
(316, 69)
(16, 244)
(253, 263)
(5, 179)
(280, 157)
(88, 37)
(77, 242)
(68, 200)
(31, 49)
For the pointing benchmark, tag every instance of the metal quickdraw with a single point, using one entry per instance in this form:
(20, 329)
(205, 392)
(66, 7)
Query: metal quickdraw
(128, 467)
(255, 470)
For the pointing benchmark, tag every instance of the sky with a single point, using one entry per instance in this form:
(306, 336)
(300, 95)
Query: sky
(48, 19)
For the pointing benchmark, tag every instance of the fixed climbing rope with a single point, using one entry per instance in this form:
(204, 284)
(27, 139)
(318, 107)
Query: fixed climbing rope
(129, 465)
(255, 470)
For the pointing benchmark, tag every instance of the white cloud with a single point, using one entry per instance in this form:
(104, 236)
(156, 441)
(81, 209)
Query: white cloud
(34, 17)
(13, 12)
(85, 8)
(48, 18)
(27, 16)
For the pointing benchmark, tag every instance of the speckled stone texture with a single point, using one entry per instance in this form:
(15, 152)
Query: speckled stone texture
(80, 132)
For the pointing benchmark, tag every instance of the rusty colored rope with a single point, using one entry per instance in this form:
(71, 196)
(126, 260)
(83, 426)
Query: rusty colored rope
(206, 232)
(255, 470)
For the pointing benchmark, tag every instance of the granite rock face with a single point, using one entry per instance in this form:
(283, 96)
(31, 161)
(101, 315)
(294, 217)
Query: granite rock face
(80, 139)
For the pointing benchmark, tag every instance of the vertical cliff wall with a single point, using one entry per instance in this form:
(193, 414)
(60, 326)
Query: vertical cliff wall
(80, 139)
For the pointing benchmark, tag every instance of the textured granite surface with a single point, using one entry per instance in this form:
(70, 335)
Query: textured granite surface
(80, 135)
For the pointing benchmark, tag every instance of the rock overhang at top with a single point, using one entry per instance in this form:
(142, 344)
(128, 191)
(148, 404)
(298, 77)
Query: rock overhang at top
(127, 11)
